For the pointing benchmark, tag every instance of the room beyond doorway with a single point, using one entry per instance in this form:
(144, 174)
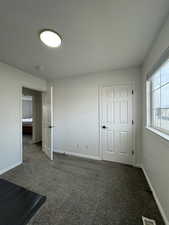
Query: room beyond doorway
(38, 122)
(31, 118)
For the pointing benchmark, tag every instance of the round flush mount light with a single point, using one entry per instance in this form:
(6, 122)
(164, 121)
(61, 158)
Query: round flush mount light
(50, 38)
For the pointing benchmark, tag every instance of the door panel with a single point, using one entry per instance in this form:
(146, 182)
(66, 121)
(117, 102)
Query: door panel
(124, 142)
(116, 122)
(47, 124)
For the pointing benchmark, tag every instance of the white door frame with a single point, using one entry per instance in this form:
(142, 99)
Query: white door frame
(20, 115)
(132, 84)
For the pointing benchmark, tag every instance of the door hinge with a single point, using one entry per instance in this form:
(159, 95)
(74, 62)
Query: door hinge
(132, 152)
(132, 122)
(132, 92)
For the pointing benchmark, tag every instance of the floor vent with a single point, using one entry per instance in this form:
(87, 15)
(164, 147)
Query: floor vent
(147, 221)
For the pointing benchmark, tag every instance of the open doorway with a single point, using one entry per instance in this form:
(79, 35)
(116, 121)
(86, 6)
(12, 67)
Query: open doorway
(37, 126)
(31, 122)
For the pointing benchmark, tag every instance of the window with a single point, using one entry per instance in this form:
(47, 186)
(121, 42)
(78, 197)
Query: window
(158, 99)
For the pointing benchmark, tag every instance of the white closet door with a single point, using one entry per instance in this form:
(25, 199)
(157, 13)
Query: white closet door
(116, 124)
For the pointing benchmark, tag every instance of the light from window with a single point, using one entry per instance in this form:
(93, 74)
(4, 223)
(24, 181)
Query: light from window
(159, 99)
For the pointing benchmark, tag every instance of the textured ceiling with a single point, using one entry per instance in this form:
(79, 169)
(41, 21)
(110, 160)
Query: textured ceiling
(98, 35)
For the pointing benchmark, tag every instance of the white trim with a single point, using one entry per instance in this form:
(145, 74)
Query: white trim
(134, 125)
(159, 133)
(77, 154)
(37, 141)
(20, 123)
(138, 165)
(156, 198)
(145, 220)
(10, 168)
(52, 120)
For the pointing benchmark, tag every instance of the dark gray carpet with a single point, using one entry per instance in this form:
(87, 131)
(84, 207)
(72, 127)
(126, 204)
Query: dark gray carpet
(84, 192)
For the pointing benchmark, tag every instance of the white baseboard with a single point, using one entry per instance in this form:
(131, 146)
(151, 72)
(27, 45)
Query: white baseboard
(10, 167)
(77, 154)
(36, 141)
(156, 198)
(138, 166)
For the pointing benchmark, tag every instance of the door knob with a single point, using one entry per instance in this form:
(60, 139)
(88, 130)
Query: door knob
(51, 126)
(104, 127)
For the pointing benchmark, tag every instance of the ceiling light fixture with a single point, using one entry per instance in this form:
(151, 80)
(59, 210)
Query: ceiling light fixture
(50, 38)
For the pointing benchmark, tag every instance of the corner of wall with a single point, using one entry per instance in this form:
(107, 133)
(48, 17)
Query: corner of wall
(155, 197)
(10, 168)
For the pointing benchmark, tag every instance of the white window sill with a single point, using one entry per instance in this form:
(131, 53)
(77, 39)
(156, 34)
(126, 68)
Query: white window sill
(159, 133)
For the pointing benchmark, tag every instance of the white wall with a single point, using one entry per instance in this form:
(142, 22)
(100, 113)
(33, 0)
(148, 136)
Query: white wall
(76, 110)
(11, 81)
(155, 149)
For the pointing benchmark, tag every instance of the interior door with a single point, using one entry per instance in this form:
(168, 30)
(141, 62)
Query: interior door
(116, 124)
(36, 117)
(47, 122)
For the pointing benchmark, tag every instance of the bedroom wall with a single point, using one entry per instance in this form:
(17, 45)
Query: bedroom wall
(155, 157)
(11, 80)
(76, 111)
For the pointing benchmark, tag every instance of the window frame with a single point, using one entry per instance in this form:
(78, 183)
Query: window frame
(149, 104)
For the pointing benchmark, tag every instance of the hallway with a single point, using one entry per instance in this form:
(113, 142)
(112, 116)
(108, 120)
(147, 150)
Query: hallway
(30, 151)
